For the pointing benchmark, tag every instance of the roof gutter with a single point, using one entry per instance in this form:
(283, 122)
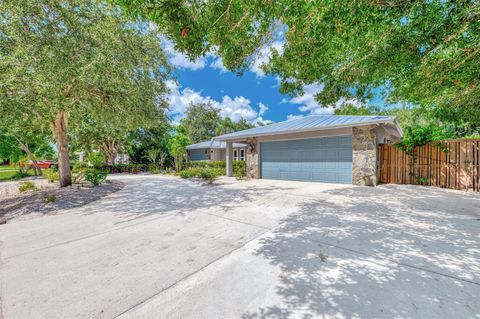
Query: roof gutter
(391, 120)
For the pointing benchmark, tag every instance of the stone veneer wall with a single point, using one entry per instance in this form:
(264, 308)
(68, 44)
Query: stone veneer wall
(253, 170)
(364, 144)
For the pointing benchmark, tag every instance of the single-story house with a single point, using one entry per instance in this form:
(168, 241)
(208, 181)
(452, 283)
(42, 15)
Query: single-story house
(322, 148)
(120, 158)
(215, 151)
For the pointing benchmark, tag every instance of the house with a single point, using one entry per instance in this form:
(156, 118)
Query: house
(321, 148)
(120, 158)
(215, 151)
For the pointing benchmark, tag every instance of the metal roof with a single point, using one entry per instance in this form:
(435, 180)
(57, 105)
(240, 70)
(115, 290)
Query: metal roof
(212, 144)
(312, 123)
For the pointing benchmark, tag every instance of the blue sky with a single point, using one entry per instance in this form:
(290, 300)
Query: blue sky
(252, 96)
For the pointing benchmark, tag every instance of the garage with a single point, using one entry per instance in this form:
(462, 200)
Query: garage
(326, 159)
(317, 148)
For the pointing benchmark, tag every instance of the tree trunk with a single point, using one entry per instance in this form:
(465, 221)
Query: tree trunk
(25, 148)
(60, 128)
(109, 150)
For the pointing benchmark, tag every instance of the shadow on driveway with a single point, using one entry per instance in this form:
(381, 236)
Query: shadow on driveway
(385, 252)
(146, 197)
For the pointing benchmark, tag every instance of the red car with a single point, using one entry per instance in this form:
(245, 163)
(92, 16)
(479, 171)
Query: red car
(44, 163)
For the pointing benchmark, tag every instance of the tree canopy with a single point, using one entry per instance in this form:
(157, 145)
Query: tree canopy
(421, 52)
(60, 60)
(203, 121)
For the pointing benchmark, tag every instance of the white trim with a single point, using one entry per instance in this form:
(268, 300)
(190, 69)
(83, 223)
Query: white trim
(241, 137)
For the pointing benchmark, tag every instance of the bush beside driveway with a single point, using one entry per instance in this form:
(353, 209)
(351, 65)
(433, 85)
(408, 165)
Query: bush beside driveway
(165, 247)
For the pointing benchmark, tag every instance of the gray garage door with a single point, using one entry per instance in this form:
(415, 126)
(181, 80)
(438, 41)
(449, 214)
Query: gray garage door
(326, 159)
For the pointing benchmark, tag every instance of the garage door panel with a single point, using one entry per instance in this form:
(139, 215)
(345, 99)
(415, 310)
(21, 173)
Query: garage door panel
(327, 159)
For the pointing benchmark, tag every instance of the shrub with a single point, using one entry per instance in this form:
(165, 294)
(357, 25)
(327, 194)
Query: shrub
(189, 173)
(96, 159)
(50, 199)
(125, 168)
(208, 175)
(19, 175)
(239, 169)
(169, 171)
(95, 176)
(419, 135)
(78, 171)
(51, 176)
(423, 180)
(27, 186)
(153, 168)
(207, 164)
(184, 174)
(217, 171)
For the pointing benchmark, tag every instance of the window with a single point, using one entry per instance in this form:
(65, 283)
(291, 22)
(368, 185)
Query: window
(242, 154)
(235, 155)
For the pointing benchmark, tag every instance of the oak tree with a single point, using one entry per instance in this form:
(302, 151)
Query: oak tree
(62, 59)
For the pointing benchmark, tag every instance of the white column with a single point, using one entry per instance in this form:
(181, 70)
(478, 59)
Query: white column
(229, 159)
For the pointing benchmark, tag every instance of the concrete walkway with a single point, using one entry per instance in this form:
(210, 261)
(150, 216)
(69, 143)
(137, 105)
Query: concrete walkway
(169, 248)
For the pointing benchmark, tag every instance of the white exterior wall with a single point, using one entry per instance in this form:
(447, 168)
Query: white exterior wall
(218, 154)
(304, 135)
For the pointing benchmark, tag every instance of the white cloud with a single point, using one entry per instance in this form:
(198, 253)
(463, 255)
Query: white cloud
(262, 121)
(263, 57)
(262, 108)
(307, 100)
(217, 64)
(278, 81)
(294, 116)
(235, 108)
(180, 100)
(180, 60)
(309, 105)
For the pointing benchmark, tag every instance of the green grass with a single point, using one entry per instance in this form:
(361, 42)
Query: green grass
(7, 168)
(9, 175)
(14, 175)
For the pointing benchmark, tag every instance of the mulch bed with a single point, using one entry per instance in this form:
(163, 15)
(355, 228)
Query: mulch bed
(32, 203)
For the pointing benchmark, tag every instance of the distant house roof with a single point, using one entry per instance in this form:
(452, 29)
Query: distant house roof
(312, 123)
(212, 144)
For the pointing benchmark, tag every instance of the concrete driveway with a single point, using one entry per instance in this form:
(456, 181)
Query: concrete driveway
(169, 248)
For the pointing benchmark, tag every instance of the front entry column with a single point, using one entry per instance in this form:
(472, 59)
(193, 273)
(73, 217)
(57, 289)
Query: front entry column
(229, 159)
(364, 145)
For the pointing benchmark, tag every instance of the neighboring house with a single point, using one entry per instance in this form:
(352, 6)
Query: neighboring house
(215, 151)
(322, 148)
(120, 158)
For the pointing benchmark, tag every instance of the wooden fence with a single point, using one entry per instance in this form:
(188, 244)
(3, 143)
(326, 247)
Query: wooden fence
(450, 164)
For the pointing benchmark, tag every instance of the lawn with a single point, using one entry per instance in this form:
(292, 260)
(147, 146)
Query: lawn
(7, 168)
(10, 173)
(6, 175)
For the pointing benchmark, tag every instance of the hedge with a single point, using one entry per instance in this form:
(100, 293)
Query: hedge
(239, 167)
(125, 168)
(207, 164)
